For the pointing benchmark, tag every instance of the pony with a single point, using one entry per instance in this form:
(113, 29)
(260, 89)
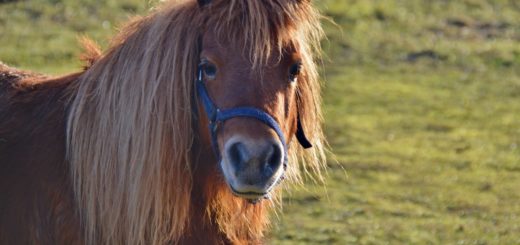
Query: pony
(121, 153)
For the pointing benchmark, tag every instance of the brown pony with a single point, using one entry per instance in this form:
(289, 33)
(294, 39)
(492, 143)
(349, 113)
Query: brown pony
(121, 153)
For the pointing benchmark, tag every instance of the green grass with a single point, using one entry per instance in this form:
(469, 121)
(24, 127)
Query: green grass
(422, 109)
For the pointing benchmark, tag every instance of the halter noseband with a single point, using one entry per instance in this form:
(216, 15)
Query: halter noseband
(217, 116)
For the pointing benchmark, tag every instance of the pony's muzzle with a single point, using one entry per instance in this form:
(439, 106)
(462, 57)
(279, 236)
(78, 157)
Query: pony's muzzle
(252, 166)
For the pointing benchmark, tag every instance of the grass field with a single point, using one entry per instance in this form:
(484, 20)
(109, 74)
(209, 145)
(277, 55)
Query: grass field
(422, 109)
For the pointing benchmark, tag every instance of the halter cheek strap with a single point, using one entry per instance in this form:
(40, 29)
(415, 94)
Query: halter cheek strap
(217, 116)
(300, 135)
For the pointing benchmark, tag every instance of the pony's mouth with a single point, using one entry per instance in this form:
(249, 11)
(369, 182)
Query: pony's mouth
(251, 196)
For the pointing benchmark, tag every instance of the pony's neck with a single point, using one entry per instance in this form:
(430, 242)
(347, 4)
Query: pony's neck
(205, 169)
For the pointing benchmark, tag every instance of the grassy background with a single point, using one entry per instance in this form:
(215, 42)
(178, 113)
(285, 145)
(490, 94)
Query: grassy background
(422, 109)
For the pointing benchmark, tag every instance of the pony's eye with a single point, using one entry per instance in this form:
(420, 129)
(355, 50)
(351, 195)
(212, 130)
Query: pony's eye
(209, 70)
(294, 71)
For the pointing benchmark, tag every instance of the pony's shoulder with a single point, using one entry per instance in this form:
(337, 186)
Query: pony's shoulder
(33, 170)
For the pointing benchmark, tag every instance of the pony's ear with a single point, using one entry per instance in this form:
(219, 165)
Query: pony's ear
(202, 3)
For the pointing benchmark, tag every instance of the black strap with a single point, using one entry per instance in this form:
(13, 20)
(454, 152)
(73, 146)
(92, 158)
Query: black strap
(300, 135)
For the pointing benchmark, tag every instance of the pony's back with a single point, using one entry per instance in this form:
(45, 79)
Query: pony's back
(35, 194)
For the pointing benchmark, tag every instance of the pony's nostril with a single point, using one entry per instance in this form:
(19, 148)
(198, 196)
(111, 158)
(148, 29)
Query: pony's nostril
(274, 158)
(236, 154)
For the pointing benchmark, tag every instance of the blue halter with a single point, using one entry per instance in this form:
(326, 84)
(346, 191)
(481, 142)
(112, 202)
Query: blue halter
(217, 116)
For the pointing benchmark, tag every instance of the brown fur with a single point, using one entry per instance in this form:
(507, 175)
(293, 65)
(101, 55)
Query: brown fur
(115, 155)
(36, 204)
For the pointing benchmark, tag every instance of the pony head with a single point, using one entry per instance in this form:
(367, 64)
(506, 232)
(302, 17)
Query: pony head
(249, 94)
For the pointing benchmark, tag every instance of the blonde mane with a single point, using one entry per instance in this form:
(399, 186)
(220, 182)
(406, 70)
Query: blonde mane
(130, 130)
